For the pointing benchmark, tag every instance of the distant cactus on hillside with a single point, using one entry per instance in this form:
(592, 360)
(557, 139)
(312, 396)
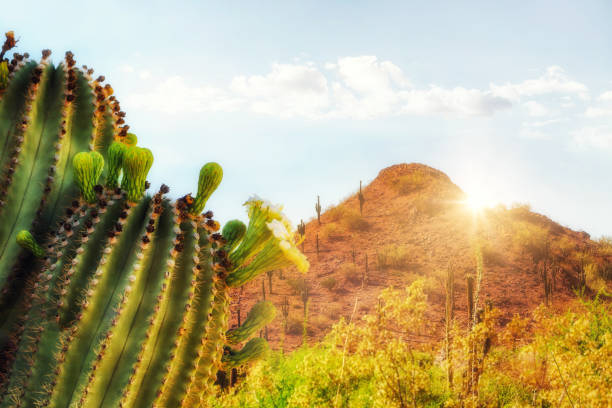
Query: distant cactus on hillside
(318, 210)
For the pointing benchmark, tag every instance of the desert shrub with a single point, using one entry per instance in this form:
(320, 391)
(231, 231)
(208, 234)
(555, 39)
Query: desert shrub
(393, 256)
(295, 326)
(532, 240)
(565, 246)
(335, 213)
(411, 182)
(429, 206)
(297, 285)
(331, 232)
(319, 321)
(350, 273)
(605, 246)
(595, 277)
(355, 222)
(329, 283)
(492, 256)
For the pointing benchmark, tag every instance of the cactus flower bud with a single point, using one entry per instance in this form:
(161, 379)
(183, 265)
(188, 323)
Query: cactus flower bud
(116, 152)
(233, 232)
(4, 74)
(27, 241)
(130, 140)
(210, 178)
(88, 169)
(136, 164)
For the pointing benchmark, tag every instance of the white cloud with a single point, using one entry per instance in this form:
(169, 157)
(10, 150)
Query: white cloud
(606, 96)
(535, 109)
(287, 91)
(362, 87)
(593, 137)
(367, 75)
(458, 100)
(595, 112)
(554, 81)
(175, 94)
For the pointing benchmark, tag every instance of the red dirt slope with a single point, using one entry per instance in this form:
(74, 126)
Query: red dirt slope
(418, 212)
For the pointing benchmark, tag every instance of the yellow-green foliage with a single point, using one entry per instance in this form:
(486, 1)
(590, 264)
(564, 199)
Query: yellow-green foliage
(532, 240)
(358, 365)
(382, 361)
(393, 256)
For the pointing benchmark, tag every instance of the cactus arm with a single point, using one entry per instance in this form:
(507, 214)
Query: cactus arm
(53, 277)
(36, 326)
(105, 126)
(209, 360)
(74, 272)
(259, 316)
(254, 350)
(101, 298)
(192, 330)
(74, 276)
(118, 355)
(35, 158)
(210, 177)
(12, 108)
(163, 327)
(77, 138)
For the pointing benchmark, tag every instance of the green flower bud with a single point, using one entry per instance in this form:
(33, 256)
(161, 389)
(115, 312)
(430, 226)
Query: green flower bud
(4, 74)
(88, 169)
(137, 162)
(27, 241)
(130, 140)
(233, 232)
(116, 152)
(210, 178)
(260, 315)
(254, 350)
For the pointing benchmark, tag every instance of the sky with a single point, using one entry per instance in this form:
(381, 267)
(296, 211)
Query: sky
(512, 100)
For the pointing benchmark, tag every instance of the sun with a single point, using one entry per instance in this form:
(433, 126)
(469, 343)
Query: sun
(477, 203)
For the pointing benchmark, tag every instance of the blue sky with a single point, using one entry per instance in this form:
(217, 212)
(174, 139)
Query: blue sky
(513, 100)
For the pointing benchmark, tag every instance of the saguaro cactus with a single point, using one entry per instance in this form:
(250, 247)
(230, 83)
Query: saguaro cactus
(111, 297)
(318, 210)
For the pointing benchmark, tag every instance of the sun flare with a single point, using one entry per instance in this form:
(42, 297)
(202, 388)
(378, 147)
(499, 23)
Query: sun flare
(477, 203)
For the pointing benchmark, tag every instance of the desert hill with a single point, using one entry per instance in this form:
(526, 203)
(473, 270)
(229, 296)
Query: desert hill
(416, 223)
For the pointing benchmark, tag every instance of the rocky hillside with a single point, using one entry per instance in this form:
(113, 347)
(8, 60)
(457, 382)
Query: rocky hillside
(415, 223)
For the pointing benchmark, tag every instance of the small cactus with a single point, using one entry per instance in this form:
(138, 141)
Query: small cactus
(361, 200)
(318, 210)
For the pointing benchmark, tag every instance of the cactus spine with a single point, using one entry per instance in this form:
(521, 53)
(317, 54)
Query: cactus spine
(112, 297)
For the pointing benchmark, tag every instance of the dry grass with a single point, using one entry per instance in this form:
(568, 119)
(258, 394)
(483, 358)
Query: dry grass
(355, 222)
(331, 232)
(411, 182)
(329, 283)
(350, 273)
(393, 256)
